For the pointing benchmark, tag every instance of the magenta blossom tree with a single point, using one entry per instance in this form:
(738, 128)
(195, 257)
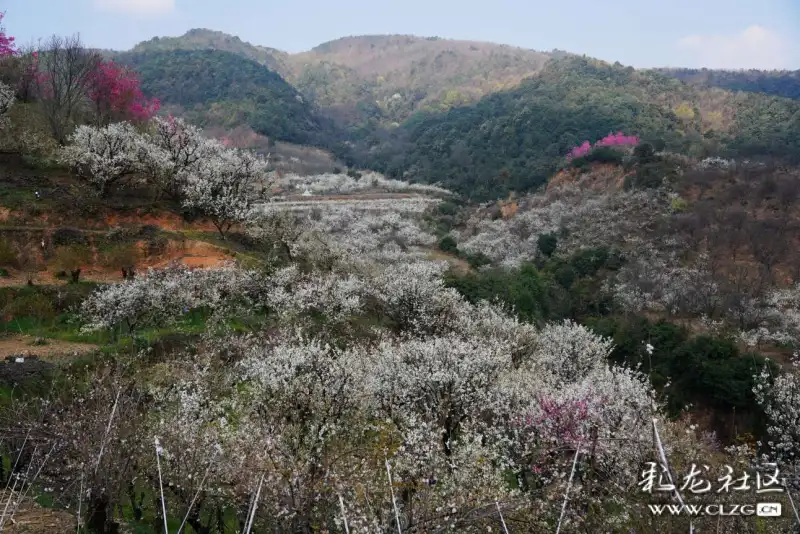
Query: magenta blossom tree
(618, 139)
(7, 46)
(116, 94)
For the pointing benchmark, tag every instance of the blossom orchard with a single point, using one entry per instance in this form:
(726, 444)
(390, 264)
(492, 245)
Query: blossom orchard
(201, 173)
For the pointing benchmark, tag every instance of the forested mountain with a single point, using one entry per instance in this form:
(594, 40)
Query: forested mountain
(515, 140)
(203, 39)
(216, 88)
(380, 79)
(776, 83)
(397, 75)
(483, 119)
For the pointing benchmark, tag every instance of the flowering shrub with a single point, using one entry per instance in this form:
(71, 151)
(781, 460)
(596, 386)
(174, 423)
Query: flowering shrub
(175, 150)
(219, 187)
(161, 296)
(778, 397)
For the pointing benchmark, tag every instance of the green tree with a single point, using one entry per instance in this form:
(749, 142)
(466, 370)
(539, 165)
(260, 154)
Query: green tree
(448, 244)
(547, 244)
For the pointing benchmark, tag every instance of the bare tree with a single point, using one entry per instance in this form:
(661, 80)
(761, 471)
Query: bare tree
(29, 261)
(65, 67)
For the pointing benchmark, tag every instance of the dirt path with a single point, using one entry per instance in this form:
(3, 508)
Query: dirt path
(23, 344)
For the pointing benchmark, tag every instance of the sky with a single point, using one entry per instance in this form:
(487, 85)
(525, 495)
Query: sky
(730, 34)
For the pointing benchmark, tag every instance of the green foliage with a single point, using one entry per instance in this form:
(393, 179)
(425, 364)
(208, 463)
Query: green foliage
(33, 305)
(517, 139)
(477, 260)
(72, 258)
(678, 204)
(8, 255)
(122, 257)
(602, 154)
(775, 83)
(704, 370)
(68, 236)
(224, 89)
(547, 243)
(524, 290)
(448, 244)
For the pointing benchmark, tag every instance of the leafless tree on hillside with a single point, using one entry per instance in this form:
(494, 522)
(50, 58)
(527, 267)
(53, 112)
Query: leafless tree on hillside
(29, 261)
(65, 70)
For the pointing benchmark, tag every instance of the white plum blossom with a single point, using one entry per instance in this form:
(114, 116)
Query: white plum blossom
(104, 155)
(175, 148)
(7, 99)
(163, 295)
(579, 217)
(779, 397)
(329, 183)
(219, 187)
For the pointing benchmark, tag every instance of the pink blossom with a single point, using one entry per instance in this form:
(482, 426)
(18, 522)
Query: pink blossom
(7, 47)
(617, 139)
(115, 90)
(580, 151)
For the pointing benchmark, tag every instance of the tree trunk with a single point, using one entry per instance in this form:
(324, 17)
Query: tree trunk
(98, 519)
(219, 229)
(75, 275)
(196, 524)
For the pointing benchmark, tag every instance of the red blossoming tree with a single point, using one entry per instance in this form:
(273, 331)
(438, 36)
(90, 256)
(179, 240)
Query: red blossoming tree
(116, 95)
(611, 140)
(7, 46)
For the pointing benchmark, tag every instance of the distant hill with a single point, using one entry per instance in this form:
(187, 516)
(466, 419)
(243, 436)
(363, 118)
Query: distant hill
(390, 77)
(203, 39)
(217, 88)
(775, 83)
(481, 118)
(514, 140)
(379, 79)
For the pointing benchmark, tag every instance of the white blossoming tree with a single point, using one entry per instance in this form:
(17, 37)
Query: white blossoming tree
(176, 148)
(779, 397)
(7, 99)
(219, 187)
(105, 155)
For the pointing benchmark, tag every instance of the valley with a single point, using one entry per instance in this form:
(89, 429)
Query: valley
(392, 283)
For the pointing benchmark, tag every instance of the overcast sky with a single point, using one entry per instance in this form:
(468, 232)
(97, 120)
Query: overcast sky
(642, 33)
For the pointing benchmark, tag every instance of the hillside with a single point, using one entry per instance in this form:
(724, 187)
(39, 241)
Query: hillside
(203, 39)
(201, 339)
(775, 83)
(404, 74)
(217, 88)
(381, 79)
(484, 119)
(514, 140)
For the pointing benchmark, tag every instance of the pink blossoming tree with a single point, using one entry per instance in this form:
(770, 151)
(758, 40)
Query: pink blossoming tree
(116, 94)
(611, 140)
(7, 46)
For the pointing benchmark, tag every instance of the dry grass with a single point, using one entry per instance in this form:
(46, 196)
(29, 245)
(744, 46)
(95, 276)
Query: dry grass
(22, 344)
(30, 518)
